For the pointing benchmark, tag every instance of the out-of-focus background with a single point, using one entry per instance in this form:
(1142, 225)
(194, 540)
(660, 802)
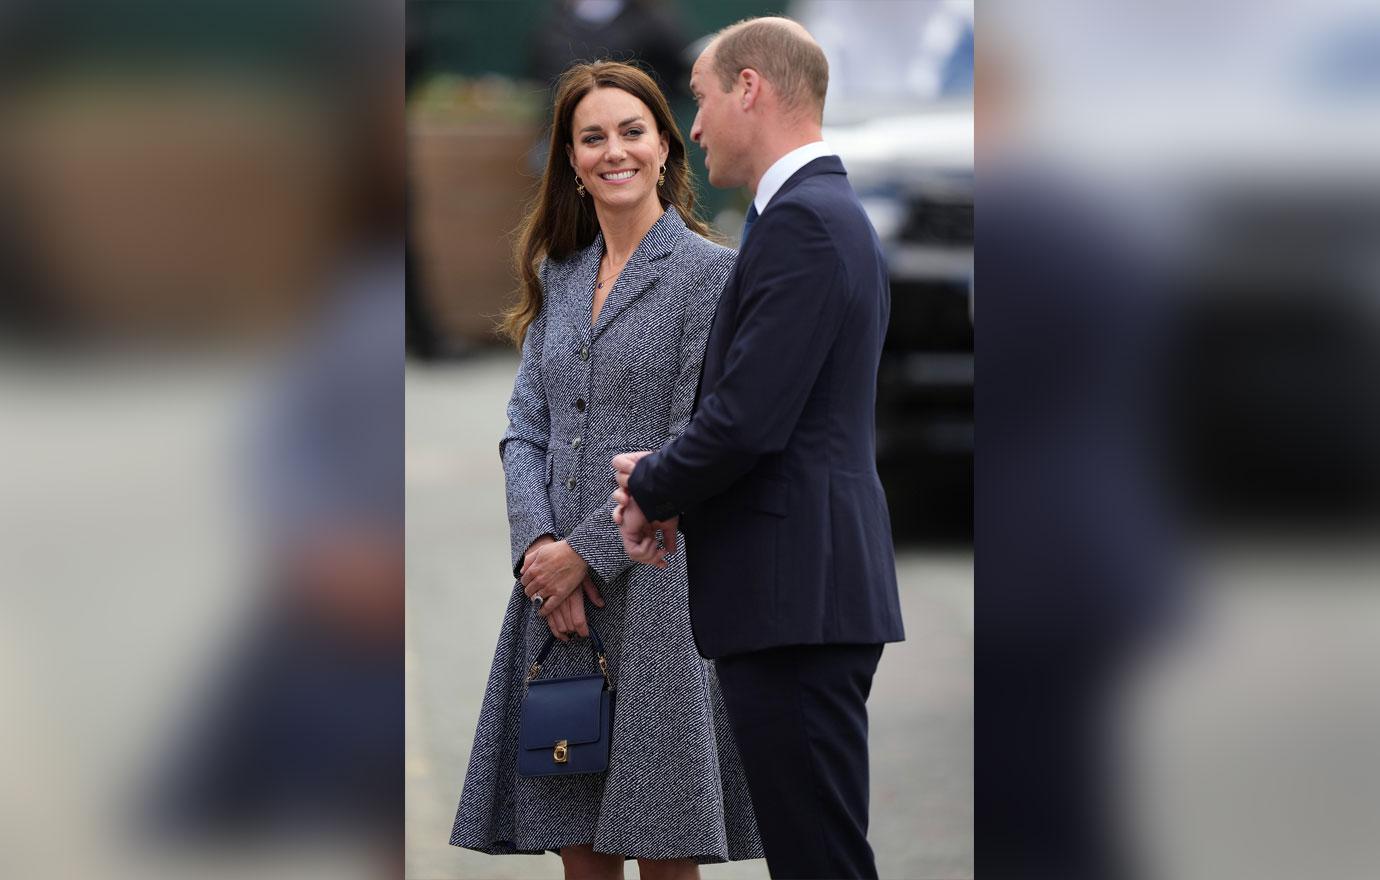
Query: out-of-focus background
(899, 113)
(201, 330)
(1180, 452)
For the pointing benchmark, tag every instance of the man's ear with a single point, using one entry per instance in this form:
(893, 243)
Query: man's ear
(750, 81)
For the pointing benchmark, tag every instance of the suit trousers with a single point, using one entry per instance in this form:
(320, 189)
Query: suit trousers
(799, 714)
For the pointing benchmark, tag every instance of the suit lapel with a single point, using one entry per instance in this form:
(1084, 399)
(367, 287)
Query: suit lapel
(822, 165)
(725, 314)
(646, 265)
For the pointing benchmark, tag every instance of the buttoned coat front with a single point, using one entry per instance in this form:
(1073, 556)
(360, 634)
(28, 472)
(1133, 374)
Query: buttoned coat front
(585, 391)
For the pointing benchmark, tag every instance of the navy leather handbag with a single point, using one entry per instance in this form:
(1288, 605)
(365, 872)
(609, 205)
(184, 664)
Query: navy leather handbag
(567, 723)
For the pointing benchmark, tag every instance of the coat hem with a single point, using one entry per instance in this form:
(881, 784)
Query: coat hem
(509, 848)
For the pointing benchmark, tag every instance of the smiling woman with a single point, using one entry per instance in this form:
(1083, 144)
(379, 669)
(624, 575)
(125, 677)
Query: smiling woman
(624, 124)
(618, 163)
(619, 289)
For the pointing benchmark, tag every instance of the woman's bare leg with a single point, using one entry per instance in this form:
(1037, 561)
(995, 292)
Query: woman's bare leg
(668, 869)
(583, 863)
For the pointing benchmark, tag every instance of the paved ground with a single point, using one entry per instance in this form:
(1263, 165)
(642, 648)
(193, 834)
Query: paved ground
(457, 584)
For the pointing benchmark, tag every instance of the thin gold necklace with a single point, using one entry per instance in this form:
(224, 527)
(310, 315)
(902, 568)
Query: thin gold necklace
(599, 283)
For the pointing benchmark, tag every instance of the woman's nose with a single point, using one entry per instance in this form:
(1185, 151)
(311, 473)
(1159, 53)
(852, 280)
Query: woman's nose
(615, 149)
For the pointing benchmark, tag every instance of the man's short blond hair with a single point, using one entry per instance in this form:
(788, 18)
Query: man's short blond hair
(782, 52)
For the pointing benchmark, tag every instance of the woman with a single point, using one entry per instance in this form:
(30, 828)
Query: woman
(619, 286)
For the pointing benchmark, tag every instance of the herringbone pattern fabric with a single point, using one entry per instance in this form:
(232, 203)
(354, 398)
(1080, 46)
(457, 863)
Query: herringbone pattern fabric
(675, 786)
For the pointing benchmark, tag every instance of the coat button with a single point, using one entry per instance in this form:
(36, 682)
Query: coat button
(584, 353)
(575, 442)
(570, 484)
(580, 404)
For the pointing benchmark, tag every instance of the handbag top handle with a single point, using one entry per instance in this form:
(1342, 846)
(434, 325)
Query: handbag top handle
(596, 645)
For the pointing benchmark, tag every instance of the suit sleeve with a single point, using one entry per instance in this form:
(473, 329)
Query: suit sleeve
(523, 449)
(597, 538)
(792, 297)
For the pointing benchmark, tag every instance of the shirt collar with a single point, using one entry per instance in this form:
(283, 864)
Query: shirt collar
(782, 169)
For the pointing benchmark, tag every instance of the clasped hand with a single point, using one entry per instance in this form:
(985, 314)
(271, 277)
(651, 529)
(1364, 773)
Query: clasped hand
(553, 570)
(639, 533)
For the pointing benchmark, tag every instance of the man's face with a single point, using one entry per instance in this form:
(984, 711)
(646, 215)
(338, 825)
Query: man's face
(720, 126)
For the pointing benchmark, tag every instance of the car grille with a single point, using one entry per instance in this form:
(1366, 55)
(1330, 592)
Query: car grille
(929, 221)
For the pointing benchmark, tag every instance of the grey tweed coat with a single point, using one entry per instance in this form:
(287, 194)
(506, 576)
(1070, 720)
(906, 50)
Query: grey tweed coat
(674, 787)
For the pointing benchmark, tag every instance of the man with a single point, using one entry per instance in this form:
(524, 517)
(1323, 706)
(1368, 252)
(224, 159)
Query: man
(792, 577)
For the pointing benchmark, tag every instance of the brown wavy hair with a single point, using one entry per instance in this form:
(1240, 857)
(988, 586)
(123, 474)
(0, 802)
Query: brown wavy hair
(559, 222)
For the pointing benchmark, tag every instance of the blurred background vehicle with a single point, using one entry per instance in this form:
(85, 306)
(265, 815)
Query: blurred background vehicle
(1277, 419)
(900, 115)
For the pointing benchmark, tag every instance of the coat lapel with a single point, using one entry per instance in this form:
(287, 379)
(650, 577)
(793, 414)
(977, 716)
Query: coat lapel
(579, 284)
(644, 268)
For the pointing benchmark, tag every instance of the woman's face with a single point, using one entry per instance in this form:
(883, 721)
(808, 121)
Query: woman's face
(617, 150)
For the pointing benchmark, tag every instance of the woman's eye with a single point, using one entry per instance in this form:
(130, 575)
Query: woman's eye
(592, 138)
(634, 132)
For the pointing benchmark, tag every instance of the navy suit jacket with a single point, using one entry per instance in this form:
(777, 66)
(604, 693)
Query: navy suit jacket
(775, 476)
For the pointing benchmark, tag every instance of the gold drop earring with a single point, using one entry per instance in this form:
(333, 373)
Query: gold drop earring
(661, 180)
(579, 186)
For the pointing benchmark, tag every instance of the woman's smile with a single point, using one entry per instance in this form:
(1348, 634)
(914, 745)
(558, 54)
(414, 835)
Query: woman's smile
(622, 176)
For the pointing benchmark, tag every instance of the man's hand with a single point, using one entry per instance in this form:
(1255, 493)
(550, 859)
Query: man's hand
(623, 466)
(640, 535)
(554, 571)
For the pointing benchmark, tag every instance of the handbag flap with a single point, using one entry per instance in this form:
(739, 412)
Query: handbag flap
(562, 708)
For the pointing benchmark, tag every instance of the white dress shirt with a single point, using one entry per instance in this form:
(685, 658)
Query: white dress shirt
(782, 169)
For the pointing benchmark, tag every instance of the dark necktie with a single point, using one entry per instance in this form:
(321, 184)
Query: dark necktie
(747, 225)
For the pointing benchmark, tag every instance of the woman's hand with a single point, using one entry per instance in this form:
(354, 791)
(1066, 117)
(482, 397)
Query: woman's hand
(560, 624)
(554, 571)
(533, 547)
(569, 618)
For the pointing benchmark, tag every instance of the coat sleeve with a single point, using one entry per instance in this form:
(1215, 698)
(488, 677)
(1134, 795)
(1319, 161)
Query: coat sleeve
(792, 298)
(523, 448)
(597, 539)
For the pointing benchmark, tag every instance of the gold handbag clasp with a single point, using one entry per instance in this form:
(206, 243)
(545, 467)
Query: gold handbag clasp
(562, 753)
